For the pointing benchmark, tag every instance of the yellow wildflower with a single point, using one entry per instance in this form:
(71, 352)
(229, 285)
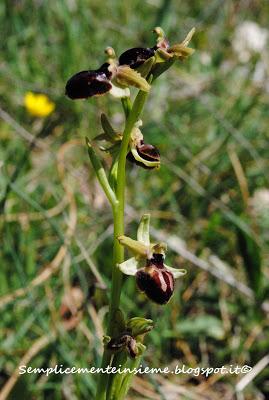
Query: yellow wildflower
(38, 105)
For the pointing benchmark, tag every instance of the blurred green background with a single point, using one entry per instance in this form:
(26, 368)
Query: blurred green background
(209, 201)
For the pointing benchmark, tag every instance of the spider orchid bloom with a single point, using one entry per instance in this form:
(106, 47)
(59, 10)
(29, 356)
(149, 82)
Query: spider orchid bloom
(153, 277)
(177, 51)
(142, 154)
(110, 77)
(148, 59)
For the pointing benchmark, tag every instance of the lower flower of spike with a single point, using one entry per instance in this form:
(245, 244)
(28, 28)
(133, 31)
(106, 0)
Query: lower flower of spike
(153, 276)
(155, 280)
(124, 341)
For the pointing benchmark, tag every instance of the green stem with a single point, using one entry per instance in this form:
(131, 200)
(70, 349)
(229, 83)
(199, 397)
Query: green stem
(119, 208)
(126, 381)
(118, 215)
(127, 106)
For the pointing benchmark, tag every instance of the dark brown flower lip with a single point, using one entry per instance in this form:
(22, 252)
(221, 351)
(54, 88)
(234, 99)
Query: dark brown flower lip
(90, 83)
(136, 56)
(155, 280)
(157, 283)
(131, 158)
(146, 151)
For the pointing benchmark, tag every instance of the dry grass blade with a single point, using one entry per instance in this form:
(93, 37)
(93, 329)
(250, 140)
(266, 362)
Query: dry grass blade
(240, 386)
(37, 346)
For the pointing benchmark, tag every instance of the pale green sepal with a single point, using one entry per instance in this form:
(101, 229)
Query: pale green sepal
(143, 230)
(177, 273)
(108, 129)
(129, 267)
(136, 247)
(127, 76)
(180, 51)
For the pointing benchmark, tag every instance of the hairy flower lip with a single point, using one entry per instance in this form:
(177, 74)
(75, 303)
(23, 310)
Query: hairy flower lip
(147, 152)
(155, 280)
(136, 56)
(90, 83)
(157, 260)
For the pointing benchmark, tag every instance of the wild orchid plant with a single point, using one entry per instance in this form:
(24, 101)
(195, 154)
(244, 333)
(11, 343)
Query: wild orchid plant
(136, 67)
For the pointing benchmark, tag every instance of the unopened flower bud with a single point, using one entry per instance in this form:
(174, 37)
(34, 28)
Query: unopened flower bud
(125, 341)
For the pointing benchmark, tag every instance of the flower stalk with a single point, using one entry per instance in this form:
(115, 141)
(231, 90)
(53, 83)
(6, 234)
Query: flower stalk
(118, 207)
(137, 67)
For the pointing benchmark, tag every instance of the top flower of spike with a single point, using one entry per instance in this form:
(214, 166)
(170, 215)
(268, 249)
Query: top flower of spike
(131, 69)
(146, 60)
(153, 277)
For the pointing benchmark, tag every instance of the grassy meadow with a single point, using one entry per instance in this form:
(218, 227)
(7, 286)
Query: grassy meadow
(209, 201)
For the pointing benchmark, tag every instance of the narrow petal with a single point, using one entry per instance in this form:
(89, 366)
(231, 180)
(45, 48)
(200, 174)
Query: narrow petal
(118, 92)
(175, 272)
(129, 267)
(188, 38)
